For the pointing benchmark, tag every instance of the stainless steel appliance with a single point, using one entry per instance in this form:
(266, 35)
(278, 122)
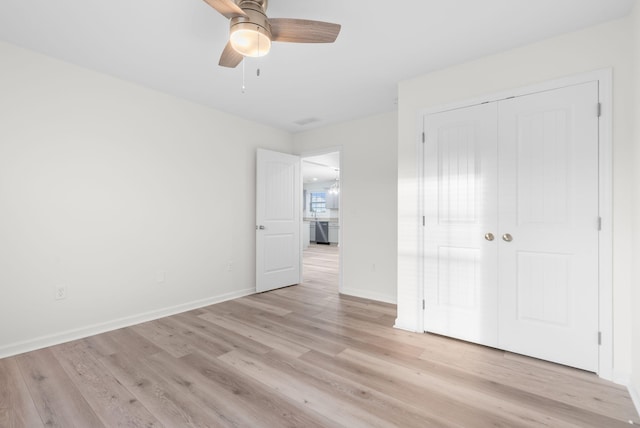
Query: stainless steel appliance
(322, 232)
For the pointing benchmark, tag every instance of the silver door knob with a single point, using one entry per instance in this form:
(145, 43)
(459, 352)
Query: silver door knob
(489, 236)
(260, 227)
(507, 237)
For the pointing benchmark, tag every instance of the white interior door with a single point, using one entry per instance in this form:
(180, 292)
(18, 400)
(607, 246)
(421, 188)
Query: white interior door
(548, 203)
(278, 220)
(460, 179)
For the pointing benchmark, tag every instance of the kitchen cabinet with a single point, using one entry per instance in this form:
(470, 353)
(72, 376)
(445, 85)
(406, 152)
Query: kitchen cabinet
(312, 231)
(334, 233)
(333, 201)
(306, 234)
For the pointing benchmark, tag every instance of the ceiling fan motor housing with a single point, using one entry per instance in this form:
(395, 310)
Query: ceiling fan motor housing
(251, 34)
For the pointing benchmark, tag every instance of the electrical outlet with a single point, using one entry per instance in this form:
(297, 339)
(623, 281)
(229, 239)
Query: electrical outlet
(60, 292)
(161, 277)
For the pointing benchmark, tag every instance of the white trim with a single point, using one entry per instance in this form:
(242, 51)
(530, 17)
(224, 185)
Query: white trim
(421, 230)
(602, 75)
(80, 333)
(406, 327)
(605, 278)
(621, 378)
(605, 88)
(318, 152)
(302, 232)
(400, 322)
(635, 397)
(625, 380)
(370, 295)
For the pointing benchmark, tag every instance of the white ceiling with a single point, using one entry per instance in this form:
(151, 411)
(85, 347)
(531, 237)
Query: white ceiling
(174, 46)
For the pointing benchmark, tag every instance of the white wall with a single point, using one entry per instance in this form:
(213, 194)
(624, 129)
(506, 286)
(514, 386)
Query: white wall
(635, 302)
(368, 200)
(607, 45)
(105, 185)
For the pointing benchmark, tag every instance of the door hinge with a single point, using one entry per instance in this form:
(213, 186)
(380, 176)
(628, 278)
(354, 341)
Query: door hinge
(599, 338)
(423, 137)
(423, 221)
(599, 223)
(423, 305)
(599, 109)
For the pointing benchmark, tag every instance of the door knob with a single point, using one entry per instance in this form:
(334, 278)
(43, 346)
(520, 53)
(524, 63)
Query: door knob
(260, 227)
(507, 237)
(489, 236)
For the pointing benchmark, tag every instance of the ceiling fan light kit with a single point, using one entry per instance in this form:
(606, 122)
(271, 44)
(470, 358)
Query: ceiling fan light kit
(251, 31)
(250, 35)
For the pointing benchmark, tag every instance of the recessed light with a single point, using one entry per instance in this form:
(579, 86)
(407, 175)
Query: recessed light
(315, 179)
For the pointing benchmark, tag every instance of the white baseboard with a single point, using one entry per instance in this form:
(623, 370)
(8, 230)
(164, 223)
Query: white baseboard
(371, 295)
(404, 326)
(624, 379)
(79, 333)
(621, 378)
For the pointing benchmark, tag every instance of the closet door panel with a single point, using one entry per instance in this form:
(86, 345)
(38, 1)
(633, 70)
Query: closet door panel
(548, 204)
(460, 207)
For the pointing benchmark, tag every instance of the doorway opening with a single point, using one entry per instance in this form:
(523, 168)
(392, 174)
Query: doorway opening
(321, 234)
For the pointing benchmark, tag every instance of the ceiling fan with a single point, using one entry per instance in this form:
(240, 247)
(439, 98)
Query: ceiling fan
(251, 32)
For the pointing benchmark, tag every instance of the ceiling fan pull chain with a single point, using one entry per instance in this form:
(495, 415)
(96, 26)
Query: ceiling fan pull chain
(243, 87)
(258, 38)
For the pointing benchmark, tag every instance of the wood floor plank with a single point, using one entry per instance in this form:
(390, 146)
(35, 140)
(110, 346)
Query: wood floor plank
(465, 409)
(59, 402)
(165, 337)
(580, 389)
(513, 403)
(256, 304)
(353, 393)
(254, 333)
(283, 329)
(164, 398)
(295, 306)
(353, 338)
(113, 403)
(222, 339)
(128, 341)
(301, 391)
(302, 356)
(247, 396)
(17, 409)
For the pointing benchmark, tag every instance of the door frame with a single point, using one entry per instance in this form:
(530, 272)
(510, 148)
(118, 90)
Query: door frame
(604, 77)
(318, 152)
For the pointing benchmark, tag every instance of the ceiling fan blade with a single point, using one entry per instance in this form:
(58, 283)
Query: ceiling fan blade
(230, 58)
(303, 31)
(227, 8)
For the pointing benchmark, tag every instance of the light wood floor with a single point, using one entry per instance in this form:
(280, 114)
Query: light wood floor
(302, 356)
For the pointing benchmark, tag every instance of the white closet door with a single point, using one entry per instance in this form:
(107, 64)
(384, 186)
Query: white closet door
(548, 203)
(460, 176)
